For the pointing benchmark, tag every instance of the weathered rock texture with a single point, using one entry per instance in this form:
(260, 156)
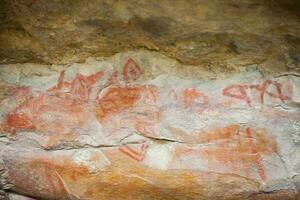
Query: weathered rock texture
(127, 128)
(220, 35)
(149, 100)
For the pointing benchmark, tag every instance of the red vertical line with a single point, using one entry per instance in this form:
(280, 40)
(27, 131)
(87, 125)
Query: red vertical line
(279, 91)
(49, 178)
(61, 80)
(74, 85)
(257, 157)
(234, 159)
(60, 183)
(263, 90)
(260, 89)
(245, 166)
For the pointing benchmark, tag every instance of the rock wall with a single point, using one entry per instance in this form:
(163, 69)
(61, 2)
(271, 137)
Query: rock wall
(149, 100)
(139, 125)
(221, 35)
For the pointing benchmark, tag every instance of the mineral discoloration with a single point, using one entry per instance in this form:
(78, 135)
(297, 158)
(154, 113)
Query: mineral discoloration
(149, 99)
(106, 127)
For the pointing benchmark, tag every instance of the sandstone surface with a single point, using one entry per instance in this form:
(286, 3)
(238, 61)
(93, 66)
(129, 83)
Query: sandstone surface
(149, 100)
(131, 127)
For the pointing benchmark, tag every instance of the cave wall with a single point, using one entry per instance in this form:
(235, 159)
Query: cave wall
(149, 127)
(146, 100)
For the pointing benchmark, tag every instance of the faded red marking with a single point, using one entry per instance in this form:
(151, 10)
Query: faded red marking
(116, 100)
(50, 181)
(244, 163)
(134, 154)
(264, 90)
(151, 94)
(51, 172)
(131, 71)
(79, 88)
(241, 91)
(112, 80)
(146, 121)
(239, 94)
(56, 184)
(18, 121)
(145, 128)
(236, 148)
(138, 103)
(257, 156)
(60, 83)
(20, 91)
(66, 100)
(190, 98)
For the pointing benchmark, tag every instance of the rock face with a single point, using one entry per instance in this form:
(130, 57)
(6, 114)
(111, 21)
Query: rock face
(127, 128)
(220, 35)
(149, 100)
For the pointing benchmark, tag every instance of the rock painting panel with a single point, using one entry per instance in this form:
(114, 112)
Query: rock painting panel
(124, 108)
(58, 110)
(268, 88)
(233, 149)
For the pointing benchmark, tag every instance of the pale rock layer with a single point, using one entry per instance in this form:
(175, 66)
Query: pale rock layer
(139, 125)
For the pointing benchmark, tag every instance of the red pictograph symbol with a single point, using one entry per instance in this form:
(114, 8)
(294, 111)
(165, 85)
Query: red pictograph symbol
(264, 90)
(131, 71)
(56, 184)
(113, 79)
(257, 157)
(136, 154)
(80, 87)
(192, 97)
(238, 92)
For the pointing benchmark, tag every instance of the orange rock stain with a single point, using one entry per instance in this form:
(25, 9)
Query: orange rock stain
(58, 110)
(234, 147)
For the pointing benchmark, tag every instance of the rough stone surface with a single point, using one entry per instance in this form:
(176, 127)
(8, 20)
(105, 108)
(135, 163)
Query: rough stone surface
(139, 125)
(149, 100)
(220, 35)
